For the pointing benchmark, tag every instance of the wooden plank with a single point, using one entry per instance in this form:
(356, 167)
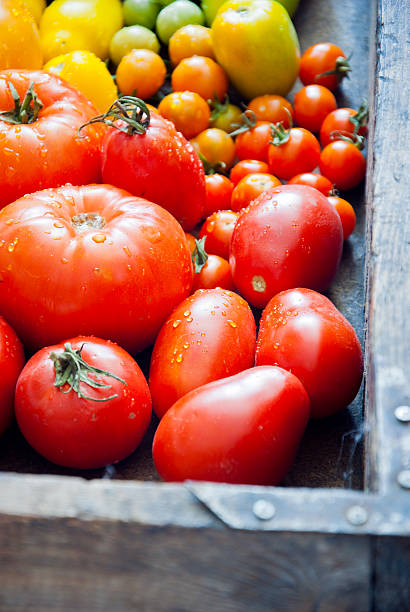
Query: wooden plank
(391, 574)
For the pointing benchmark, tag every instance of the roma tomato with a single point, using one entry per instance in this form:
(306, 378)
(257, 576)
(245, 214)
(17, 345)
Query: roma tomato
(11, 364)
(250, 187)
(344, 122)
(292, 152)
(210, 335)
(254, 143)
(152, 160)
(218, 230)
(187, 110)
(312, 105)
(303, 332)
(324, 64)
(247, 166)
(314, 180)
(290, 236)
(40, 145)
(218, 193)
(90, 260)
(346, 213)
(83, 403)
(343, 164)
(244, 429)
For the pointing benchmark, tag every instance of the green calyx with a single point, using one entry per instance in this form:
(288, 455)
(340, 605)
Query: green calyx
(23, 112)
(72, 370)
(127, 114)
(361, 118)
(248, 121)
(340, 71)
(199, 255)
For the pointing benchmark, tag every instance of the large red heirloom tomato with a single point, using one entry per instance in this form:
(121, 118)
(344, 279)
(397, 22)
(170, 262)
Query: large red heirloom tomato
(303, 332)
(11, 364)
(290, 236)
(40, 145)
(90, 260)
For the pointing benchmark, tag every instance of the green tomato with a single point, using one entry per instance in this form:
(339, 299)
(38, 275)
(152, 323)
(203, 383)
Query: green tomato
(140, 12)
(210, 9)
(175, 16)
(290, 6)
(132, 37)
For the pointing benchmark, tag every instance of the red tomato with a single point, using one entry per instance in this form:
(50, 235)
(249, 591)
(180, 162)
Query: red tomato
(191, 241)
(90, 260)
(272, 108)
(293, 152)
(314, 180)
(303, 332)
(346, 214)
(44, 149)
(312, 105)
(210, 335)
(79, 424)
(218, 230)
(343, 121)
(250, 187)
(320, 59)
(254, 143)
(343, 164)
(290, 236)
(247, 166)
(244, 429)
(218, 193)
(158, 164)
(11, 364)
(216, 272)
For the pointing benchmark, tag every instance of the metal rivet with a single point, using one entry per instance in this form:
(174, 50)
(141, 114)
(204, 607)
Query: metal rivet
(357, 515)
(403, 478)
(263, 509)
(402, 414)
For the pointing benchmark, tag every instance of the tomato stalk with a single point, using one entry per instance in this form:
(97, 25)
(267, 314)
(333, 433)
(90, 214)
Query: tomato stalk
(199, 255)
(71, 369)
(341, 69)
(354, 139)
(248, 121)
(280, 134)
(132, 113)
(361, 118)
(23, 112)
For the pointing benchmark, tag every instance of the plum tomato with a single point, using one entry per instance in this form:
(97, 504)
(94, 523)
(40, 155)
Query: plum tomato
(218, 230)
(324, 64)
(250, 187)
(312, 105)
(11, 363)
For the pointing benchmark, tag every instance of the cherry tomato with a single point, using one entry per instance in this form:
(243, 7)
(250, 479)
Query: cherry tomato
(250, 187)
(290, 236)
(187, 110)
(303, 332)
(155, 162)
(190, 40)
(216, 147)
(312, 105)
(85, 422)
(244, 429)
(314, 180)
(343, 164)
(210, 335)
(225, 116)
(218, 193)
(293, 152)
(90, 259)
(202, 75)
(272, 108)
(11, 364)
(141, 72)
(191, 240)
(44, 148)
(254, 143)
(247, 166)
(346, 213)
(216, 272)
(343, 121)
(320, 59)
(218, 230)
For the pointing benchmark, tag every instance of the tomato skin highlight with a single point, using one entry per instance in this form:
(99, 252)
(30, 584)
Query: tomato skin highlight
(288, 237)
(210, 335)
(77, 432)
(119, 280)
(11, 363)
(244, 429)
(304, 333)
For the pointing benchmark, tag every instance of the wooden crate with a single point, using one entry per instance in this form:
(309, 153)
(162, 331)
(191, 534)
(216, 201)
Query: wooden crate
(335, 536)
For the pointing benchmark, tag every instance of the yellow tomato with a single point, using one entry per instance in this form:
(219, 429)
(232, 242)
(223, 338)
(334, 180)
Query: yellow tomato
(36, 8)
(70, 25)
(19, 39)
(87, 73)
(256, 44)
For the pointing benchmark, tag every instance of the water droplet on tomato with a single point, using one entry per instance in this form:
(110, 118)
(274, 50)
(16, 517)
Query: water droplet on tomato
(58, 224)
(126, 251)
(187, 313)
(232, 323)
(99, 238)
(179, 358)
(176, 323)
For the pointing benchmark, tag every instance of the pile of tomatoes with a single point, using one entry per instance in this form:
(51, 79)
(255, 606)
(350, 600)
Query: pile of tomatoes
(170, 220)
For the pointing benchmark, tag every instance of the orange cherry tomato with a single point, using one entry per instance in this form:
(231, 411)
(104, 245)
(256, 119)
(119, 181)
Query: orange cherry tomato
(320, 59)
(187, 110)
(141, 72)
(254, 143)
(202, 75)
(247, 166)
(342, 121)
(346, 213)
(190, 40)
(314, 180)
(312, 105)
(273, 108)
(218, 230)
(250, 187)
(343, 164)
(216, 147)
(218, 193)
(20, 40)
(216, 272)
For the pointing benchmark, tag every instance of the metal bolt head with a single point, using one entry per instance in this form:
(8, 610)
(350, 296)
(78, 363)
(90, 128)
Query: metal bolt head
(403, 478)
(402, 414)
(357, 515)
(263, 509)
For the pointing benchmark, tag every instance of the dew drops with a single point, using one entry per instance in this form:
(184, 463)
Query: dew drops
(126, 251)
(189, 319)
(232, 323)
(64, 260)
(58, 224)
(179, 358)
(99, 238)
(187, 313)
(176, 323)
(186, 345)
